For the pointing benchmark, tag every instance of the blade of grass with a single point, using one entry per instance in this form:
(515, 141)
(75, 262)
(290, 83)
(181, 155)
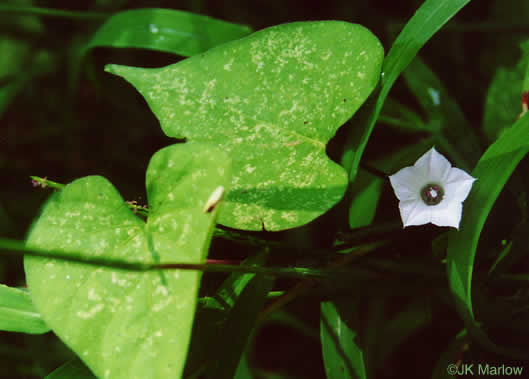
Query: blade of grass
(342, 354)
(237, 329)
(17, 312)
(428, 19)
(492, 171)
(213, 312)
(168, 30)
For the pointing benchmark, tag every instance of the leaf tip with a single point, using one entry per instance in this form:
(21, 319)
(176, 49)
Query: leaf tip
(112, 69)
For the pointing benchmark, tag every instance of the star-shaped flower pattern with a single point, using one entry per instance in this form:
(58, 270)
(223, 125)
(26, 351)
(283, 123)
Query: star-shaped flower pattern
(431, 191)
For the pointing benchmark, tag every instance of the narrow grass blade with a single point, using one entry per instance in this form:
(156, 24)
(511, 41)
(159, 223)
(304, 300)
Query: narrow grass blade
(493, 170)
(342, 354)
(428, 19)
(17, 312)
(167, 30)
(237, 329)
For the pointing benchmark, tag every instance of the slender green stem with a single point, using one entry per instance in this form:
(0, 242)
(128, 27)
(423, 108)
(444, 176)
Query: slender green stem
(377, 232)
(397, 122)
(142, 210)
(274, 294)
(51, 12)
(11, 247)
(234, 235)
(373, 170)
(45, 182)
(296, 272)
(18, 248)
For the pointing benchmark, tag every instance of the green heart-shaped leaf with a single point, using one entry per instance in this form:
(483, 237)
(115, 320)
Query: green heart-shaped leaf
(126, 324)
(273, 100)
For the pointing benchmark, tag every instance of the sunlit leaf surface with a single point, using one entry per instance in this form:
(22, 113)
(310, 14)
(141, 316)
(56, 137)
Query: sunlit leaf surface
(272, 100)
(126, 324)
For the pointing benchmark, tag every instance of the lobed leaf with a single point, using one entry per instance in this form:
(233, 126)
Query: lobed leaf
(126, 324)
(272, 100)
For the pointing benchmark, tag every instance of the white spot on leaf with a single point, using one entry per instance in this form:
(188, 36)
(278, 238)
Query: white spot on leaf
(91, 312)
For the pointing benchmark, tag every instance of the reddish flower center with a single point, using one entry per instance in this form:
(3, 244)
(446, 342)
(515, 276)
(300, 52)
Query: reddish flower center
(432, 194)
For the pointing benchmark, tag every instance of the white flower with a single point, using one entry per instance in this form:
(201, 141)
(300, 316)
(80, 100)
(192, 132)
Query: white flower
(431, 191)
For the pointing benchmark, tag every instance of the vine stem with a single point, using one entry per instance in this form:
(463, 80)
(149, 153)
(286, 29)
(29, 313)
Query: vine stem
(231, 235)
(18, 248)
(45, 182)
(304, 285)
(375, 171)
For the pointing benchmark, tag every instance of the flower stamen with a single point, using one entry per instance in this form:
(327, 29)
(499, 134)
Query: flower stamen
(432, 194)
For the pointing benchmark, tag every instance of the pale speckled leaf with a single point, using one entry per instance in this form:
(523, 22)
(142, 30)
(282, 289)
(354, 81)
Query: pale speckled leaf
(273, 100)
(128, 324)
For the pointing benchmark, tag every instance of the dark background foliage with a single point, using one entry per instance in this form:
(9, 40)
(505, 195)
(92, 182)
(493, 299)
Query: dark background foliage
(102, 126)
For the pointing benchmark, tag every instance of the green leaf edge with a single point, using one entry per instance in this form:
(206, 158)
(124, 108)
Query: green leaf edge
(256, 225)
(415, 34)
(28, 314)
(462, 245)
